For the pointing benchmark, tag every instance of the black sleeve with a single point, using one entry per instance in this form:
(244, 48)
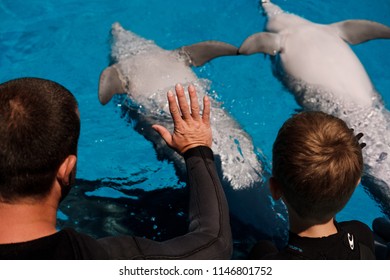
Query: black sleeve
(209, 234)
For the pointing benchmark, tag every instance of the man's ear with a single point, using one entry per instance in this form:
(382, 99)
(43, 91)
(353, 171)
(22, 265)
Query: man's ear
(64, 172)
(276, 190)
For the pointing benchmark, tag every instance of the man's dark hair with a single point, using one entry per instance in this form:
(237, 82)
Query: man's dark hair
(39, 128)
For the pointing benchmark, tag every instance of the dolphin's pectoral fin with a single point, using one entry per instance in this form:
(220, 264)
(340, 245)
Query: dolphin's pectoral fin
(263, 42)
(109, 85)
(359, 31)
(200, 53)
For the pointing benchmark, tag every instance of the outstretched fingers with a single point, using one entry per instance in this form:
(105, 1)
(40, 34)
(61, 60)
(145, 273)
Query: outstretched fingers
(191, 129)
(181, 111)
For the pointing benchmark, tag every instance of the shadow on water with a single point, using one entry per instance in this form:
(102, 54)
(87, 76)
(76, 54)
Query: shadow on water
(159, 214)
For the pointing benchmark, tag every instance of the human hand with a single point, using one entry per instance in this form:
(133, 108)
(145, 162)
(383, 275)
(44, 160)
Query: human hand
(190, 128)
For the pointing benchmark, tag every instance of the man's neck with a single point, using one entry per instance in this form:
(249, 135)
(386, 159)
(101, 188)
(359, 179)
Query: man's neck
(25, 221)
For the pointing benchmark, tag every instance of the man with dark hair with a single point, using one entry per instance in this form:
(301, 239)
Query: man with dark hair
(39, 130)
(317, 164)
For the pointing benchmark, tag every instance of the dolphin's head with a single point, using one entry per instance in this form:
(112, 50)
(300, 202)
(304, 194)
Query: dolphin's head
(126, 43)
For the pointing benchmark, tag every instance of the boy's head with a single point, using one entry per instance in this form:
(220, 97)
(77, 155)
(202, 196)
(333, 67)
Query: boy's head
(317, 164)
(39, 129)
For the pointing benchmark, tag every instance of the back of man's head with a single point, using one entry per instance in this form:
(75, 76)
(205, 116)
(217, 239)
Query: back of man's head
(39, 128)
(318, 162)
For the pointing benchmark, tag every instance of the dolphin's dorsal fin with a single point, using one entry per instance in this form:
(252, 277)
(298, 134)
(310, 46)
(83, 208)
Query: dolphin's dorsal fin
(359, 31)
(263, 42)
(200, 53)
(109, 85)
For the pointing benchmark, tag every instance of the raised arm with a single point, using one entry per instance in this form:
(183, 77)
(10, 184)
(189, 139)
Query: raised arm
(209, 234)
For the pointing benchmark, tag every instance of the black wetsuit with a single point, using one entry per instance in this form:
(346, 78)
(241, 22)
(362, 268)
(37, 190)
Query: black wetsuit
(209, 235)
(354, 240)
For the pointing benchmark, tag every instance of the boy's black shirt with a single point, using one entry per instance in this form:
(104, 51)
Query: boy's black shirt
(354, 240)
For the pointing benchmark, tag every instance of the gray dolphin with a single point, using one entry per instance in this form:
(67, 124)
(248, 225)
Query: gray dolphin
(315, 62)
(145, 72)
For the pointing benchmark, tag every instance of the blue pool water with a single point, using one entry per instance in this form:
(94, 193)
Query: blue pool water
(68, 41)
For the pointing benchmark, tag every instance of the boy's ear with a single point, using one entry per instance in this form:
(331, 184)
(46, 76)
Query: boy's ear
(65, 170)
(276, 190)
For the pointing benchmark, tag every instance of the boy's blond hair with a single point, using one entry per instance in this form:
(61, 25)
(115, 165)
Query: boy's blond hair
(317, 160)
